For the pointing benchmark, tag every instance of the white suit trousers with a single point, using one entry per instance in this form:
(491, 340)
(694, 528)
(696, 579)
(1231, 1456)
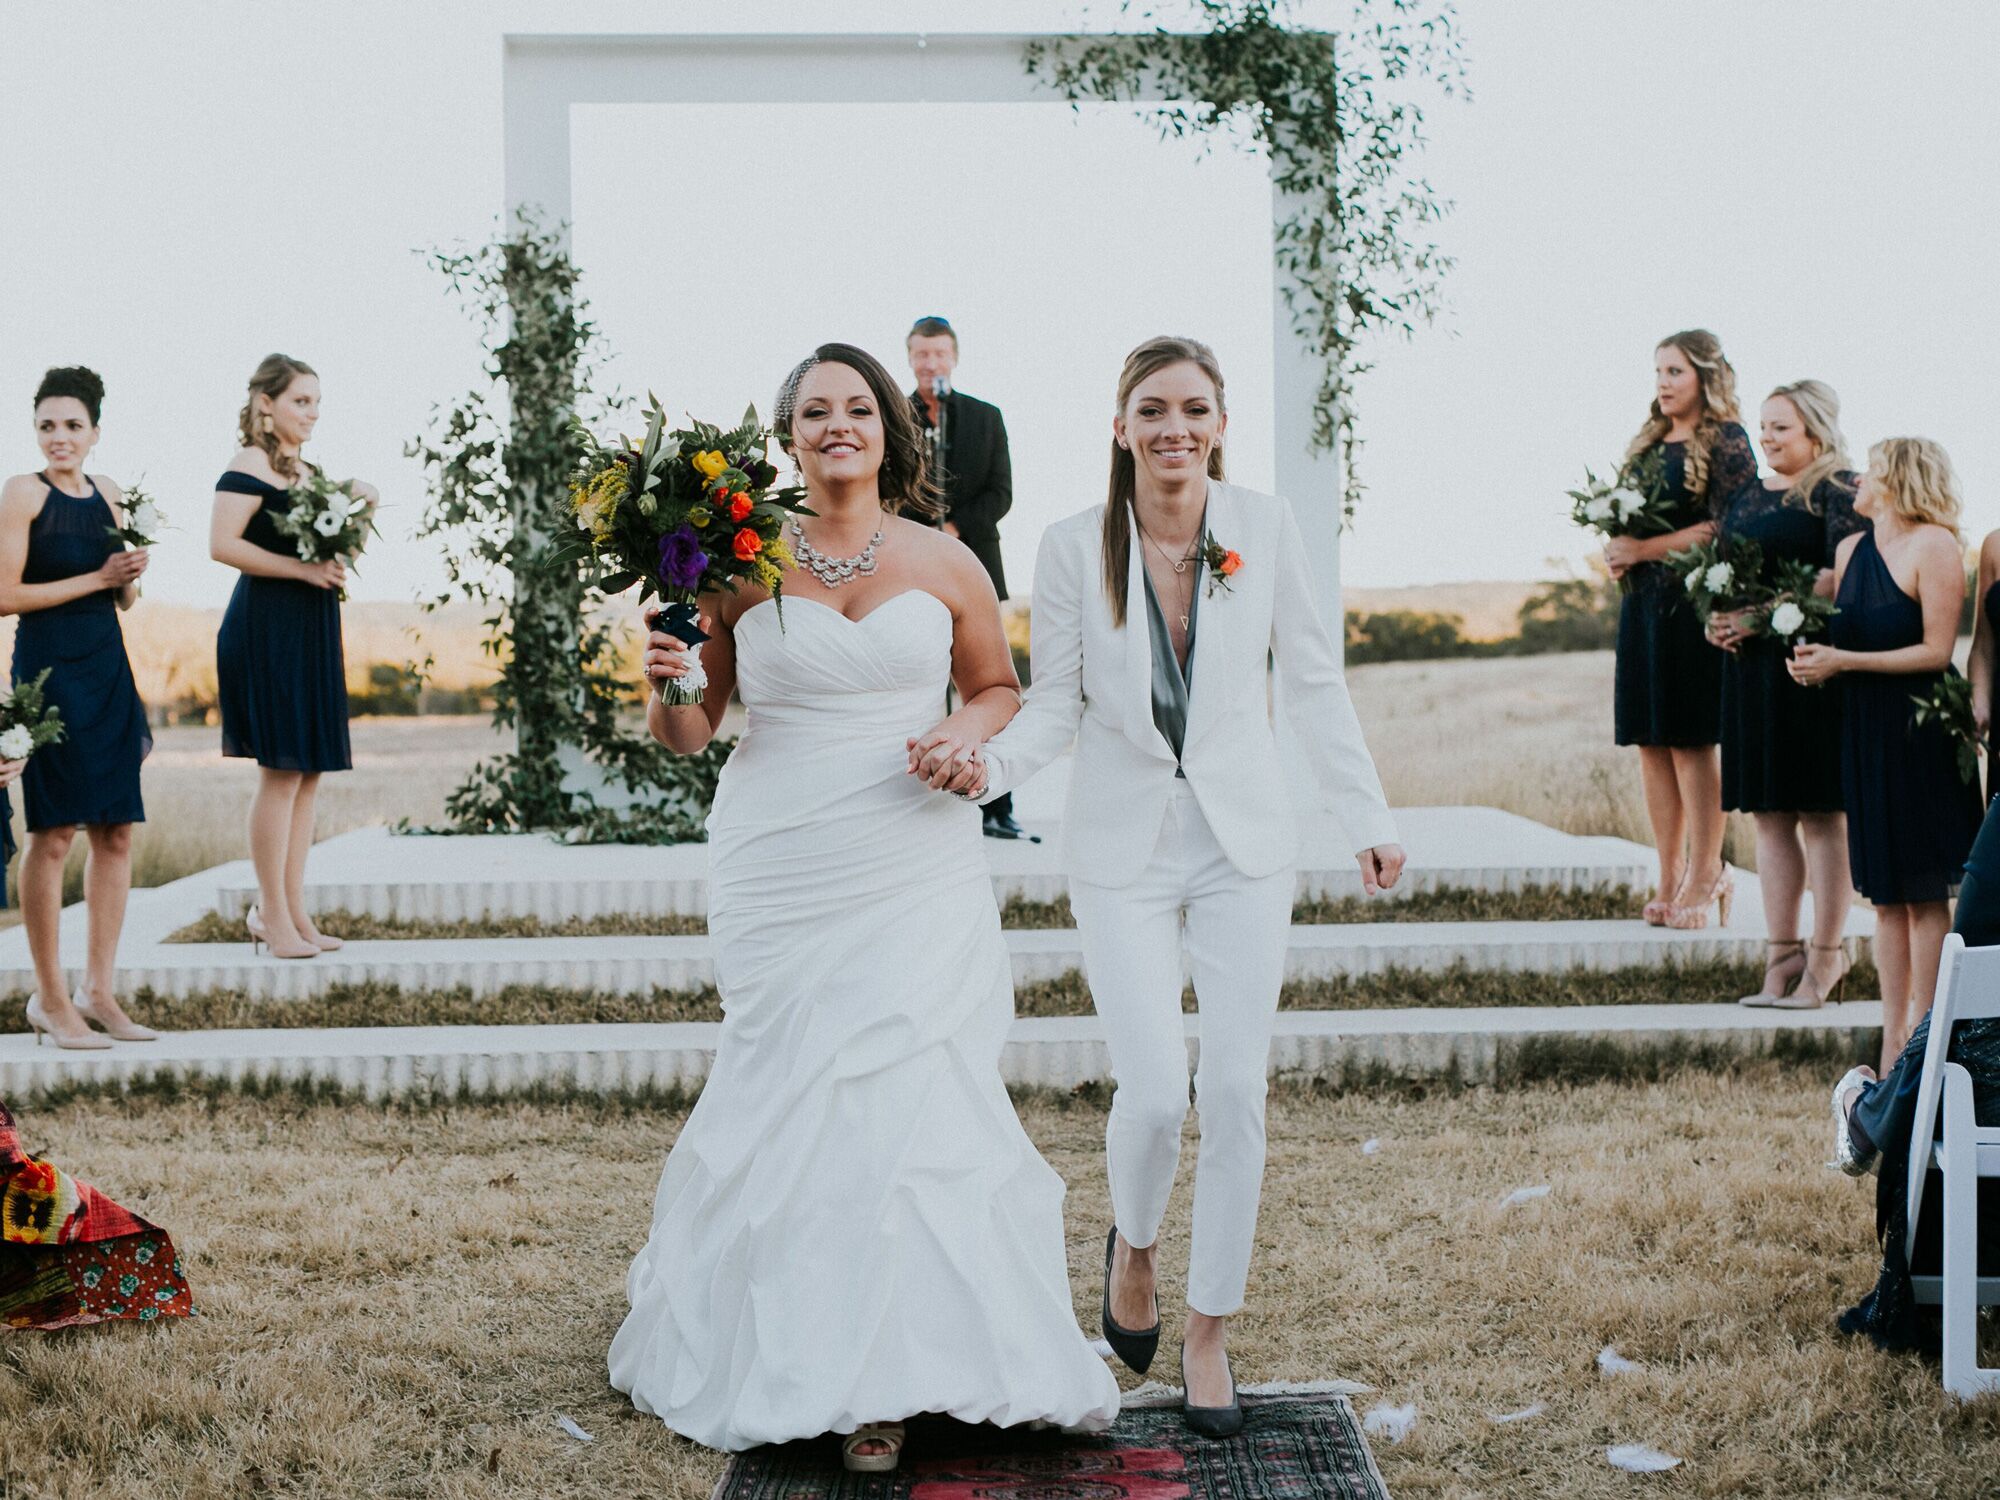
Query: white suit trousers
(1234, 927)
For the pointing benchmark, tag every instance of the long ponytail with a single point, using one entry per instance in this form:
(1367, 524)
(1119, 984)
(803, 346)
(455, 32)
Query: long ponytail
(1149, 358)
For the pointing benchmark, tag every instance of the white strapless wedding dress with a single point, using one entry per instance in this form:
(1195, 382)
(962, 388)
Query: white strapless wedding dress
(852, 1227)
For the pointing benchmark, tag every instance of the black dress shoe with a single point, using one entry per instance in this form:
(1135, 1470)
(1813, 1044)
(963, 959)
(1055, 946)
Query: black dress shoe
(1003, 826)
(1212, 1421)
(1136, 1347)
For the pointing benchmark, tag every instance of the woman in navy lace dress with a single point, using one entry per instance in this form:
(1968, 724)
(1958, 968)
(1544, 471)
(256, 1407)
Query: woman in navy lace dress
(1780, 740)
(1911, 816)
(281, 677)
(67, 576)
(1669, 678)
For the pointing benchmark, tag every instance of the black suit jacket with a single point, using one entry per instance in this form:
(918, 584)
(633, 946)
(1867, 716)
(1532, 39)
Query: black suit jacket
(978, 476)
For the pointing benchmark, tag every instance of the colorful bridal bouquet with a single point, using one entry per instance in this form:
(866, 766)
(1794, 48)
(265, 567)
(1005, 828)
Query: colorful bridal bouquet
(140, 520)
(326, 520)
(1721, 575)
(1948, 705)
(27, 722)
(1631, 504)
(1793, 609)
(681, 514)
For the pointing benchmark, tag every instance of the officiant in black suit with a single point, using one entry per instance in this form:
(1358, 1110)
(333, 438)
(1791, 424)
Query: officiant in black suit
(967, 441)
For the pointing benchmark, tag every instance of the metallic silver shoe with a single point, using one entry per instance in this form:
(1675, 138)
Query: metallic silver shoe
(1846, 1154)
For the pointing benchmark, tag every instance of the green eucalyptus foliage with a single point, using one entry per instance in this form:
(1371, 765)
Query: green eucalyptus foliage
(499, 462)
(1334, 114)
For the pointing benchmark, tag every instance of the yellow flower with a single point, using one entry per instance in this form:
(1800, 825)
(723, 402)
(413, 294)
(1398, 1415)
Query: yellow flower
(709, 463)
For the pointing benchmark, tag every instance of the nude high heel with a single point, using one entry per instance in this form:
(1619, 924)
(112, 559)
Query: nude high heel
(90, 1041)
(260, 938)
(127, 1030)
(1655, 911)
(1794, 948)
(1804, 998)
(1694, 915)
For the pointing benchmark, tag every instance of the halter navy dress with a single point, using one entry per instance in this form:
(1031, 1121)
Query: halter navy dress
(280, 671)
(90, 775)
(1781, 739)
(1991, 605)
(1911, 818)
(1667, 689)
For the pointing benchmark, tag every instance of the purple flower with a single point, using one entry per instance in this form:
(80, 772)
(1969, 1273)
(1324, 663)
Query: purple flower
(682, 562)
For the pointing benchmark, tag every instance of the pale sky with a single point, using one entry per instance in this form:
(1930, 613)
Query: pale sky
(191, 187)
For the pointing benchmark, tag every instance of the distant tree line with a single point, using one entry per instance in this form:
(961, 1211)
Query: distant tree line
(1564, 614)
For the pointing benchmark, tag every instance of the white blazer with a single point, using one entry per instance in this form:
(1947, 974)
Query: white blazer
(1092, 683)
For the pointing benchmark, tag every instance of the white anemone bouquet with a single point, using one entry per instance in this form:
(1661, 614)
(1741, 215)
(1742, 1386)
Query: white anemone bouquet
(1722, 575)
(327, 520)
(140, 520)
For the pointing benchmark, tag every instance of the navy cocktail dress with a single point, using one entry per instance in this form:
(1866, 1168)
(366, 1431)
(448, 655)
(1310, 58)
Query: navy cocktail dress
(91, 775)
(1781, 739)
(280, 671)
(1668, 685)
(1911, 818)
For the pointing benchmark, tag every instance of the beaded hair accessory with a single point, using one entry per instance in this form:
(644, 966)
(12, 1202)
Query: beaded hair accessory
(788, 396)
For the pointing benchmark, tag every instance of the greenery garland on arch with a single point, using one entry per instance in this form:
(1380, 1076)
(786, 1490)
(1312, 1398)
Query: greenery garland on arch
(498, 464)
(1334, 115)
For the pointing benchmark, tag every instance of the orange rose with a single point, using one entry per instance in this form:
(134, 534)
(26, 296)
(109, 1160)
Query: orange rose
(1230, 563)
(748, 544)
(740, 508)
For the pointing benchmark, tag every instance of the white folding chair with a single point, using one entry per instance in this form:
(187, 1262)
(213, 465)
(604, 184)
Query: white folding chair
(1968, 989)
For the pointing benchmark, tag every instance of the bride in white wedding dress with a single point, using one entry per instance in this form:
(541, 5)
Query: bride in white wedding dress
(853, 1228)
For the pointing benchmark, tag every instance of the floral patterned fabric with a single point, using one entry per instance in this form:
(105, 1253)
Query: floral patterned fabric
(69, 1255)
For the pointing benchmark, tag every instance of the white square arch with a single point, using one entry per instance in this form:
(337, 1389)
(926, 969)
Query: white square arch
(545, 74)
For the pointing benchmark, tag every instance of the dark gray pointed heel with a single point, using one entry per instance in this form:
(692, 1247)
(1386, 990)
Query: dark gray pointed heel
(1136, 1347)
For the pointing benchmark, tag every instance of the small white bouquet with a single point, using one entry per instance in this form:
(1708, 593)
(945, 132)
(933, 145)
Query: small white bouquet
(1795, 610)
(1630, 504)
(141, 520)
(27, 722)
(327, 520)
(1721, 575)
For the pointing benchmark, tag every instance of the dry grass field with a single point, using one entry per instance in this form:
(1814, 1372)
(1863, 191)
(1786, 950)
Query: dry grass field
(399, 1302)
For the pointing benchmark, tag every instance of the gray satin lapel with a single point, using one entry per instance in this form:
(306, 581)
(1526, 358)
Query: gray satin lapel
(1139, 725)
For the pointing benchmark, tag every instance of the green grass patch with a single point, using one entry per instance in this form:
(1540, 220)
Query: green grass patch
(1534, 903)
(541, 1005)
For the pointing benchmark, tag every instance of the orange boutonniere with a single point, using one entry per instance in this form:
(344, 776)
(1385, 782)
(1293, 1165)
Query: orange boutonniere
(1223, 564)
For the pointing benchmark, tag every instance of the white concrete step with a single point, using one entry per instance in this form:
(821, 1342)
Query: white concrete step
(383, 1062)
(418, 878)
(636, 965)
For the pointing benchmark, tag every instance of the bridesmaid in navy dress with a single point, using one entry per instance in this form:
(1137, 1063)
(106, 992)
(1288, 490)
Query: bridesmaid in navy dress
(1781, 741)
(1982, 666)
(1668, 687)
(1911, 818)
(67, 577)
(280, 672)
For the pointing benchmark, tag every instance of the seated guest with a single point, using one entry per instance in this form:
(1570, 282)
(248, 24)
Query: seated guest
(1873, 1119)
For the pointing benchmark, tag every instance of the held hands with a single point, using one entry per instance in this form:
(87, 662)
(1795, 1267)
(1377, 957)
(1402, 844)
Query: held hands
(123, 568)
(666, 655)
(1381, 867)
(948, 762)
(1814, 663)
(1624, 553)
(331, 574)
(1729, 629)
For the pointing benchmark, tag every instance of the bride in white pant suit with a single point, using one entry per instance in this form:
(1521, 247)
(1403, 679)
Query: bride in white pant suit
(1153, 618)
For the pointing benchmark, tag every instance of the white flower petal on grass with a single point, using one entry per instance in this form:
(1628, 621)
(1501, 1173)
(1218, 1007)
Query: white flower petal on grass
(1611, 1362)
(1637, 1458)
(1525, 1195)
(573, 1430)
(1522, 1415)
(1370, 1146)
(1391, 1422)
(1787, 617)
(17, 743)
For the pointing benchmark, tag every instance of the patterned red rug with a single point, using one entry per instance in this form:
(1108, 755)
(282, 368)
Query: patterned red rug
(1293, 1447)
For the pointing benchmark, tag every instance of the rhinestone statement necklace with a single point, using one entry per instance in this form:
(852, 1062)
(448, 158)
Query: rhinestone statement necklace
(833, 571)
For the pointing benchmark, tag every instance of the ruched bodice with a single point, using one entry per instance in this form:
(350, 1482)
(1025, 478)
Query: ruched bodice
(852, 1226)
